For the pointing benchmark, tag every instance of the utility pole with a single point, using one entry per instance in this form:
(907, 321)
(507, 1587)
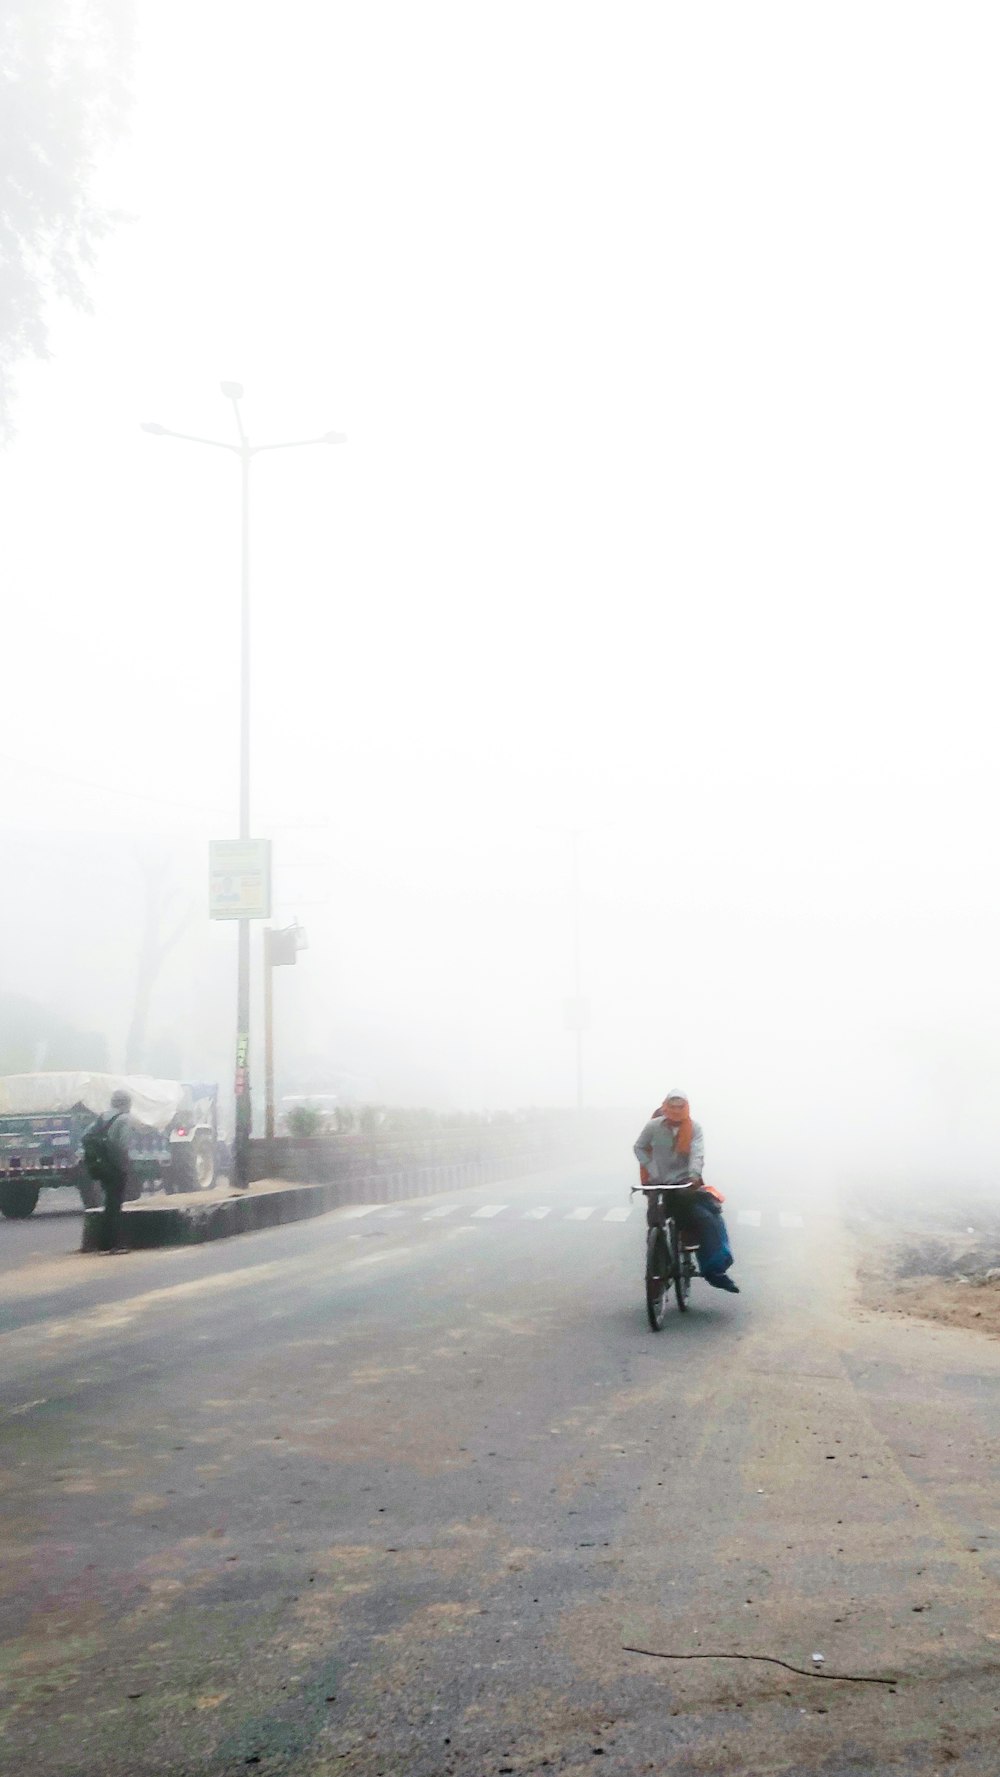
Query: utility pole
(246, 453)
(268, 1044)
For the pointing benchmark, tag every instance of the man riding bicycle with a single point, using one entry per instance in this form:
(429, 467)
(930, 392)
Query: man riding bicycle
(671, 1151)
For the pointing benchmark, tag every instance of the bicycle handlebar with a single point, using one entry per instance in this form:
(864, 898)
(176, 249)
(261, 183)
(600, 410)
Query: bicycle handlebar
(685, 1185)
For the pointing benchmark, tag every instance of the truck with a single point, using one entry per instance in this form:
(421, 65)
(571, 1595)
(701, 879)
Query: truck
(43, 1118)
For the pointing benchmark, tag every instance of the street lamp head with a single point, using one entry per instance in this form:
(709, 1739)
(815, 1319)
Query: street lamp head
(334, 438)
(151, 426)
(232, 391)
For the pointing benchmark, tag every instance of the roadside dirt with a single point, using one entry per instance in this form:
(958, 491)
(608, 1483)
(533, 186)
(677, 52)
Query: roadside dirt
(938, 1261)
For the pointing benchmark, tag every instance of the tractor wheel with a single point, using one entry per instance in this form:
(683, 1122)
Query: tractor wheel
(192, 1168)
(17, 1202)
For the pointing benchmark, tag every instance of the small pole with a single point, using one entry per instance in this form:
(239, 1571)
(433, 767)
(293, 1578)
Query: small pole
(577, 970)
(268, 1043)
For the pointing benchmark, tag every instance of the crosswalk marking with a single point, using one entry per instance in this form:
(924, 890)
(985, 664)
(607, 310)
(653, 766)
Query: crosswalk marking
(581, 1212)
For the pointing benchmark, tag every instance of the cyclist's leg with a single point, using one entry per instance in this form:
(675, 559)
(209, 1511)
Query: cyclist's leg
(714, 1254)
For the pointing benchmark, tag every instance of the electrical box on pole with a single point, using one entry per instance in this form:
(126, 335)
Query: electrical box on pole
(281, 946)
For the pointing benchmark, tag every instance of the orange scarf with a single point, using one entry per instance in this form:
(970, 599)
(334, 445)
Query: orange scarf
(679, 1119)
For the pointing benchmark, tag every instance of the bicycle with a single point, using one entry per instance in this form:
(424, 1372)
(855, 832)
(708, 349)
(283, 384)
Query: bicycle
(669, 1254)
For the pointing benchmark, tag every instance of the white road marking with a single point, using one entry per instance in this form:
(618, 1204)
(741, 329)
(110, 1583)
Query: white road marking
(620, 1214)
(581, 1214)
(749, 1218)
(393, 1215)
(489, 1209)
(788, 1219)
(536, 1215)
(366, 1209)
(25, 1407)
(447, 1209)
(112, 1316)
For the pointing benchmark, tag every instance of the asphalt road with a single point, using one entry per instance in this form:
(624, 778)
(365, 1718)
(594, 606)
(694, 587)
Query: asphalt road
(54, 1228)
(394, 1492)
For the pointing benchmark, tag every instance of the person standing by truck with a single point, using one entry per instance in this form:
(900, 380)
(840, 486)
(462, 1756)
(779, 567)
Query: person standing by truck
(106, 1157)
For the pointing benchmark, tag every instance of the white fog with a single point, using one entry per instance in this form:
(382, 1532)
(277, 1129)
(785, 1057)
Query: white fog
(499, 961)
(664, 342)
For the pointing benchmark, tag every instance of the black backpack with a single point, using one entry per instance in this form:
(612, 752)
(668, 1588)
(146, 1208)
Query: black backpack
(99, 1157)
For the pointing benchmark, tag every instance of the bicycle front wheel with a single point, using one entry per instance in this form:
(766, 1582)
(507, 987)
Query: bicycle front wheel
(658, 1277)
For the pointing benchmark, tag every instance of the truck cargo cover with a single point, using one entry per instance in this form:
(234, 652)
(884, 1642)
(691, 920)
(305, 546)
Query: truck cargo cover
(156, 1103)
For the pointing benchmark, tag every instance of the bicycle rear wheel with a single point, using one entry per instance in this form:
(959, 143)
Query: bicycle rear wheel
(682, 1276)
(659, 1273)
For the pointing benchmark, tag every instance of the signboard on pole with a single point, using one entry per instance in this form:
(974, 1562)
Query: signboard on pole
(239, 873)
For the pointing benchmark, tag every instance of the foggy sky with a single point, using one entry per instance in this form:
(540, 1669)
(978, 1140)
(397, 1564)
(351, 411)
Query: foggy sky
(665, 340)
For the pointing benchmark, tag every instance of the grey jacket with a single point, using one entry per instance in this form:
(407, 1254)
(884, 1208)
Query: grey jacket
(655, 1150)
(119, 1134)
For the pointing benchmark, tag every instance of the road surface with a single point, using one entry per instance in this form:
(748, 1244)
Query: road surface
(54, 1228)
(395, 1491)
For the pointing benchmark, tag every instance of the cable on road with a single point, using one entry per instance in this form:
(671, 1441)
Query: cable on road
(767, 1659)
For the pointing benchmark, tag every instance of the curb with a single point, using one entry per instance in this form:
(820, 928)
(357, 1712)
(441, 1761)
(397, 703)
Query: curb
(147, 1227)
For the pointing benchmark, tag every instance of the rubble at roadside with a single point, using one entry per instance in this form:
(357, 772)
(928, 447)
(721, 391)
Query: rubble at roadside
(936, 1257)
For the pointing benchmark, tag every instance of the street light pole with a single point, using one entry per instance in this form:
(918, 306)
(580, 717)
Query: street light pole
(244, 1103)
(246, 452)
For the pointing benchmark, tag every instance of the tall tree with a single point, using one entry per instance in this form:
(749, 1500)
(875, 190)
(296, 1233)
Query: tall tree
(35, 1039)
(63, 72)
